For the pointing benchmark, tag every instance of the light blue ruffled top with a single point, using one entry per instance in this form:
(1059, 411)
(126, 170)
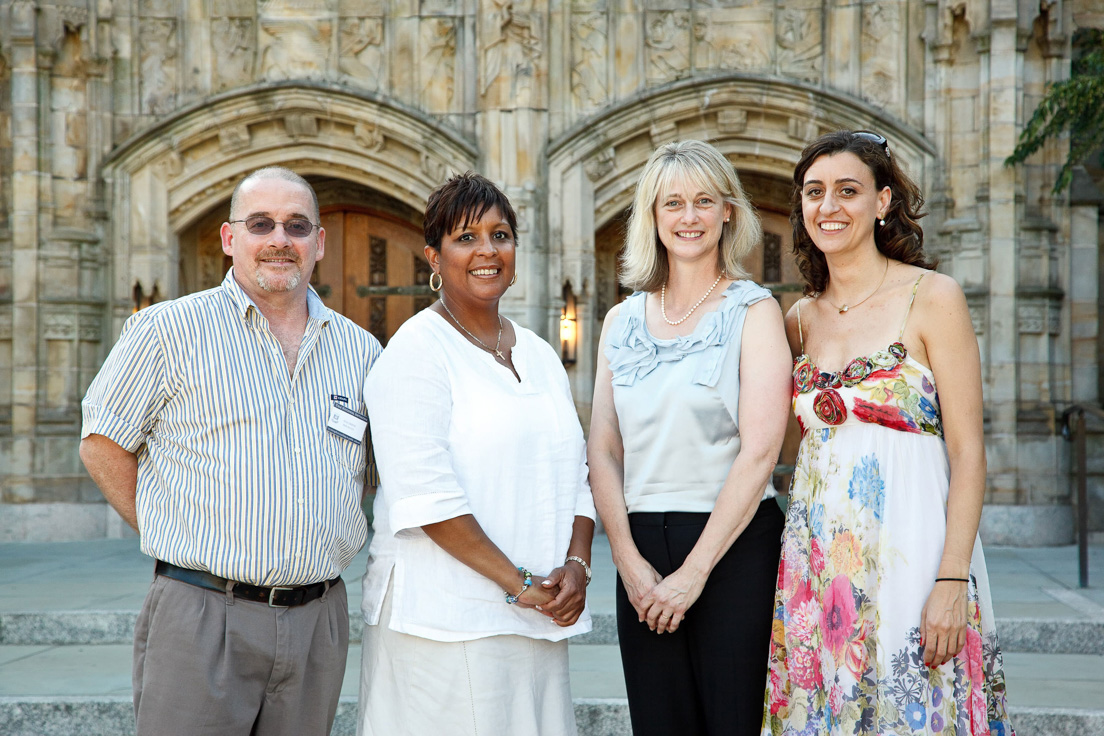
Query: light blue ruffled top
(677, 403)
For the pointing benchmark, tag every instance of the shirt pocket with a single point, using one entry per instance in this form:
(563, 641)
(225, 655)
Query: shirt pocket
(350, 456)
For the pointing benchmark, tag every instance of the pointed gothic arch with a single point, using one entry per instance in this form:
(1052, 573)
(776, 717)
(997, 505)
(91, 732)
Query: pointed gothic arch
(761, 124)
(163, 179)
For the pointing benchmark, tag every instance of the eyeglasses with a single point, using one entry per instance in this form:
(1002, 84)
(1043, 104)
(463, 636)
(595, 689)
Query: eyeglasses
(296, 227)
(875, 138)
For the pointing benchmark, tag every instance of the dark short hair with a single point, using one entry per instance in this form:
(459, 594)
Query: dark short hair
(272, 172)
(901, 237)
(461, 201)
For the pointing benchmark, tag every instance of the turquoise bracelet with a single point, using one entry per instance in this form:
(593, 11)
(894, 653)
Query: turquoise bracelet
(512, 599)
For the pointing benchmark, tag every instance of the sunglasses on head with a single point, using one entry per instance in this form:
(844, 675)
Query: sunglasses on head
(875, 138)
(296, 227)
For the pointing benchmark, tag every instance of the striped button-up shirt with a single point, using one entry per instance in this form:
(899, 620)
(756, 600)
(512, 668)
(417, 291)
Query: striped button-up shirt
(237, 472)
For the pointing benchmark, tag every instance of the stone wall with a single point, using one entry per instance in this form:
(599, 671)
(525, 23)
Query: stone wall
(124, 124)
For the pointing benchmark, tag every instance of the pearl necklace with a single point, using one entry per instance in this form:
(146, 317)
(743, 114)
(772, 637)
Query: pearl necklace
(663, 302)
(482, 344)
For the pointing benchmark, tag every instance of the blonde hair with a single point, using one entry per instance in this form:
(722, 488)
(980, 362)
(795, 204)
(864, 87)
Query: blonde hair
(644, 260)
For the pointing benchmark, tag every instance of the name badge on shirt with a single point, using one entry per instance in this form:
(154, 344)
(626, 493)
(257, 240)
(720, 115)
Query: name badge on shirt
(344, 422)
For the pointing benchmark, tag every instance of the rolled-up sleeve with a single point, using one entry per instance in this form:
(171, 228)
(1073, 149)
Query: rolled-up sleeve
(124, 398)
(409, 399)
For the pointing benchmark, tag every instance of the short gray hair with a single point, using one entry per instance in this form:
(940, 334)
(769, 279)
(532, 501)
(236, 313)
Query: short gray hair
(272, 172)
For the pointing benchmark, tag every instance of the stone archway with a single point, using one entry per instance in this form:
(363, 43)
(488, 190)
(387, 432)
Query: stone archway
(168, 178)
(760, 125)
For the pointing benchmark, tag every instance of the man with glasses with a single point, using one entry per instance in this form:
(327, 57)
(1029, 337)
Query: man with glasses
(227, 427)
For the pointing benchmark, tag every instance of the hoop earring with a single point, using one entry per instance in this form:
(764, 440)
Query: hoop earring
(514, 279)
(440, 282)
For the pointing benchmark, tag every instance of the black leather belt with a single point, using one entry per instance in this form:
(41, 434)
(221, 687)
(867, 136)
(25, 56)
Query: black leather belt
(276, 596)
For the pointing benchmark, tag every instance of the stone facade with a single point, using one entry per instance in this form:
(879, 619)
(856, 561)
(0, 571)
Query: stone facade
(124, 125)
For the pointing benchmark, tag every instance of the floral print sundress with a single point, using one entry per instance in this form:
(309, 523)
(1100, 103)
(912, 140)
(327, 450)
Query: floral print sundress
(860, 553)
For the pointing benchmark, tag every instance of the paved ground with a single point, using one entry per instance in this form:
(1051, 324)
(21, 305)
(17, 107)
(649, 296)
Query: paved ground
(67, 611)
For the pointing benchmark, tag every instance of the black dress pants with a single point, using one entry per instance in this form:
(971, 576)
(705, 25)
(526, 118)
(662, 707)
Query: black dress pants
(708, 677)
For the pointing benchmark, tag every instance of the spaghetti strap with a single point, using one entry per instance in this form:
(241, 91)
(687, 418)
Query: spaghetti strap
(912, 298)
(800, 335)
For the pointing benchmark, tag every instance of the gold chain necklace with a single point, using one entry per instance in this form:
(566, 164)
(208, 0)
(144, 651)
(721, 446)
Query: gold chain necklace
(482, 344)
(663, 302)
(845, 307)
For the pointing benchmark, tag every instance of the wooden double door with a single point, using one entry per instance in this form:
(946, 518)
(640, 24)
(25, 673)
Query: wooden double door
(374, 270)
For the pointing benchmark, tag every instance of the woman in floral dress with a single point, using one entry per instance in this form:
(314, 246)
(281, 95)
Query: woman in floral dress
(883, 621)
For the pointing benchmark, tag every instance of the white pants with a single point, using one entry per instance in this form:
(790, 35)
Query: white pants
(485, 687)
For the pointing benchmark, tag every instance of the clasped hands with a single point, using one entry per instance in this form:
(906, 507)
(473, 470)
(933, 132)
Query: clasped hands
(560, 596)
(661, 602)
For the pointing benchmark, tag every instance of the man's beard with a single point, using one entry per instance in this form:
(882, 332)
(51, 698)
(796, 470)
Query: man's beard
(278, 284)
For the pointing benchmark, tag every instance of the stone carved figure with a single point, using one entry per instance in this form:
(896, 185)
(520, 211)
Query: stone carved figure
(369, 136)
(667, 44)
(361, 57)
(295, 39)
(881, 48)
(510, 55)
(589, 41)
(729, 46)
(157, 53)
(439, 63)
(800, 46)
(232, 44)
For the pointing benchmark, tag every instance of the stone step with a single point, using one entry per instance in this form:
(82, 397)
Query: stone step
(35, 628)
(65, 690)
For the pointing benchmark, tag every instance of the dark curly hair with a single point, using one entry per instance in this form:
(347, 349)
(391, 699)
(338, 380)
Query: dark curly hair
(900, 238)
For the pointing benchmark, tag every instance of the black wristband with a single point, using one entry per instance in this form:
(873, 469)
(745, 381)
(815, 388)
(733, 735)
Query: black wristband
(953, 580)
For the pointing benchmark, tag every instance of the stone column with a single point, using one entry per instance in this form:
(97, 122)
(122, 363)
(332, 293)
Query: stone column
(512, 120)
(1001, 217)
(27, 88)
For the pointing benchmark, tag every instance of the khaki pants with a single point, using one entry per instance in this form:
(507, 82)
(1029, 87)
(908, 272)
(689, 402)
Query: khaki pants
(207, 664)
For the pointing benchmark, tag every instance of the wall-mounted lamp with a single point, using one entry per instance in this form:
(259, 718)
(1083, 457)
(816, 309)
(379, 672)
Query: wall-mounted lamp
(569, 327)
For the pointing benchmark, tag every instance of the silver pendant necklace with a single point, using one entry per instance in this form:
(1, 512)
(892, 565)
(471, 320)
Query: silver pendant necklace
(482, 344)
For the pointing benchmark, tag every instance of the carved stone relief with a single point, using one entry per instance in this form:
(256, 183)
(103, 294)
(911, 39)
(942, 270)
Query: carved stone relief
(233, 42)
(301, 125)
(667, 40)
(295, 38)
(732, 121)
(59, 327)
(234, 138)
(434, 168)
(511, 54)
(600, 165)
(589, 47)
(800, 43)
(158, 49)
(881, 43)
(362, 58)
(369, 136)
(735, 41)
(90, 328)
(438, 63)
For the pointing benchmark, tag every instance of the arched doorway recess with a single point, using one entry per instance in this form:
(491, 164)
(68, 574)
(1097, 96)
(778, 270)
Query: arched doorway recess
(760, 124)
(168, 183)
(374, 271)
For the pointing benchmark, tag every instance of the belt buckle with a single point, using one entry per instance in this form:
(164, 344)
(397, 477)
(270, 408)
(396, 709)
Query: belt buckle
(272, 592)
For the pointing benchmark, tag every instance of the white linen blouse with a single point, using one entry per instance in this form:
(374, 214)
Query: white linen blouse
(455, 433)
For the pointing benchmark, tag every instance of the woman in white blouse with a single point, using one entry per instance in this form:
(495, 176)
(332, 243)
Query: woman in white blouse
(484, 519)
(690, 406)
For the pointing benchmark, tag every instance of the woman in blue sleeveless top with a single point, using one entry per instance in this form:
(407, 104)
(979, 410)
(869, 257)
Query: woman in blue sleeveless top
(690, 407)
